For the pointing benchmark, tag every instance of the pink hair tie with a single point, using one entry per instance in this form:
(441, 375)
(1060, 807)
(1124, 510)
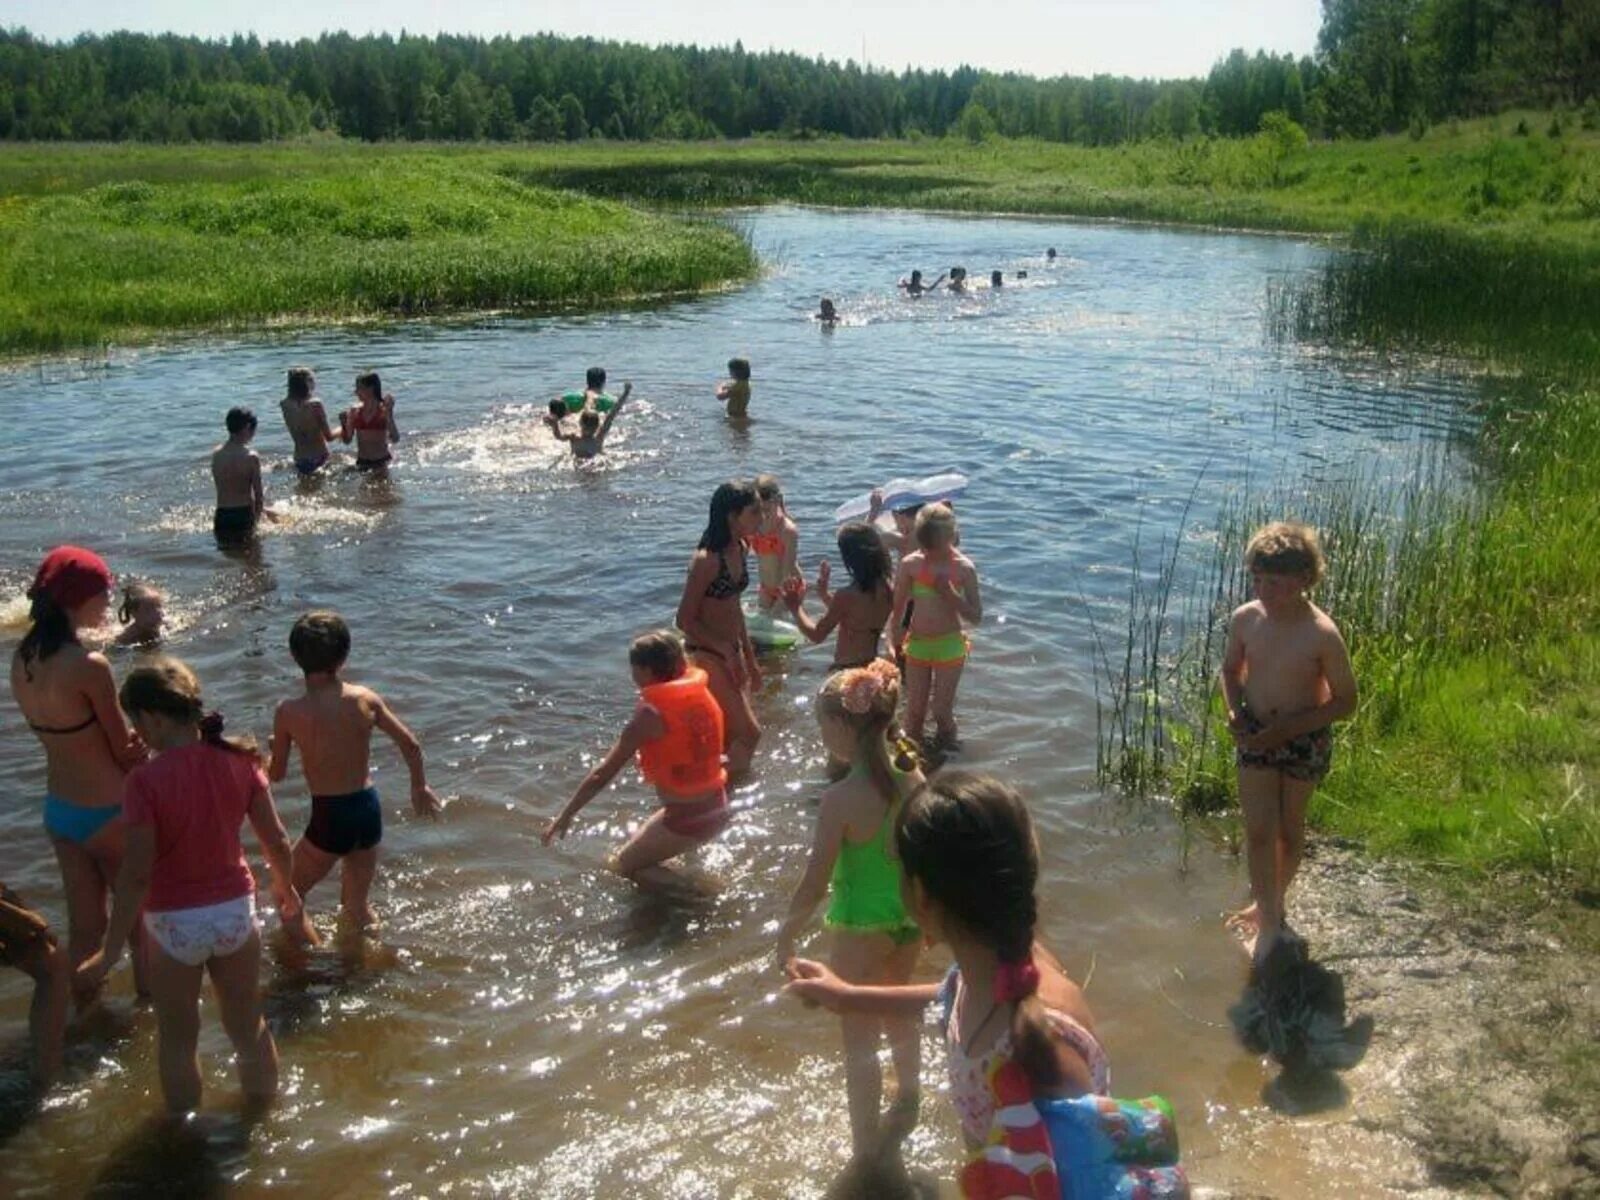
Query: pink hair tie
(1015, 981)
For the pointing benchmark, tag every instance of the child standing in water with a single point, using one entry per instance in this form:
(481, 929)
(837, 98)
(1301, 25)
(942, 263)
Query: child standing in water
(1286, 678)
(874, 941)
(590, 439)
(236, 471)
(27, 944)
(332, 725)
(186, 871)
(775, 543)
(735, 392)
(944, 585)
(307, 421)
(676, 732)
(141, 615)
(370, 423)
(860, 612)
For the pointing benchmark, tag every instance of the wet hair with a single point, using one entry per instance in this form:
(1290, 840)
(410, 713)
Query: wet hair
(660, 652)
(936, 526)
(51, 630)
(879, 741)
(826, 305)
(865, 557)
(1285, 548)
(1050, 253)
(916, 276)
(558, 407)
(728, 501)
(301, 383)
(134, 595)
(968, 840)
(768, 488)
(739, 368)
(238, 420)
(170, 688)
(370, 381)
(319, 641)
(996, 278)
(595, 377)
(589, 421)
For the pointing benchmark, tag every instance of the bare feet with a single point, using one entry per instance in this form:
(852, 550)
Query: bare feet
(1247, 918)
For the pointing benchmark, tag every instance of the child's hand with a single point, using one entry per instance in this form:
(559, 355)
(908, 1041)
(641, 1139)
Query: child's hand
(1260, 739)
(824, 574)
(875, 505)
(722, 391)
(555, 829)
(424, 802)
(91, 973)
(812, 983)
(946, 587)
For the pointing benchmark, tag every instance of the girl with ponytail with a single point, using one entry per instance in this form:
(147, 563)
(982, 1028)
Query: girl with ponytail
(875, 942)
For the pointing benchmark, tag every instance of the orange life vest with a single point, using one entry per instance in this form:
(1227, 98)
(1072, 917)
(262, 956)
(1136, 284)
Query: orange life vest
(687, 759)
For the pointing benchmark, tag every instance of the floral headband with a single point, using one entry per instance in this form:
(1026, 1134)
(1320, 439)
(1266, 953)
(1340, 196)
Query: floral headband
(861, 685)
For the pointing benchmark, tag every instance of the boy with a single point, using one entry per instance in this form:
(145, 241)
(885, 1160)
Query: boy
(332, 724)
(236, 471)
(594, 390)
(26, 943)
(1286, 678)
(590, 439)
(735, 392)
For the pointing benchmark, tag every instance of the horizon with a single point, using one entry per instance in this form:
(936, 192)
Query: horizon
(1138, 39)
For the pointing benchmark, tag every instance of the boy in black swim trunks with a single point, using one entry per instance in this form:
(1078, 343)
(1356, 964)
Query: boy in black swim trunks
(1286, 678)
(27, 944)
(332, 725)
(236, 471)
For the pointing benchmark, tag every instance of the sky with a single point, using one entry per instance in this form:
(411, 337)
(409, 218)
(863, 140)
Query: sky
(1142, 38)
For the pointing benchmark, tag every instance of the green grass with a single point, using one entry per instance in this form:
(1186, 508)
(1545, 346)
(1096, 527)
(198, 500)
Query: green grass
(101, 246)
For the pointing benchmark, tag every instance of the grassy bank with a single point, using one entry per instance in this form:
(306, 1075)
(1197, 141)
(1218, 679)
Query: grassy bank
(99, 246)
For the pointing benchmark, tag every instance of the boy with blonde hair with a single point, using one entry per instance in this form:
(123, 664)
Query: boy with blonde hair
(1286, 678)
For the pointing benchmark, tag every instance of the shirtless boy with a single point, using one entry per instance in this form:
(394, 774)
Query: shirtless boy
(237, 473)
(590, 439)
(332, 725)
(1286, 678)
(307, 421)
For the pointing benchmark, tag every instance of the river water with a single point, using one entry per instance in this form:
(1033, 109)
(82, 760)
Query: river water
(528, 1025)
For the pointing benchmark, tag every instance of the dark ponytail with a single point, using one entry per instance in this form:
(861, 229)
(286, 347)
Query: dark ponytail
(968, 839)
(51, 630)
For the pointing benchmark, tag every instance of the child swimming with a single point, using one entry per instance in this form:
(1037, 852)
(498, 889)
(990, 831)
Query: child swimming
(944, 585)
(860, 612)
(1286, 678)
(370, 423)
(827, 314)
(332, 725)
(676, 732)
(307, 421)
(874, 941)
(775, 543)
(590, 440)
(735, 392)
(915, 287)
(186, 873)
(236, 471)
(141, 614)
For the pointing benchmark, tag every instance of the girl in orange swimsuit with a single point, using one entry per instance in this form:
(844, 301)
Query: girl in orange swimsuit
(775, 543)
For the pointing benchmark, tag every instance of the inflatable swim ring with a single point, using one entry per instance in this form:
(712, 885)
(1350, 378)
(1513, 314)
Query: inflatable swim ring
(902, 493)
(604, 402)
(769, 633)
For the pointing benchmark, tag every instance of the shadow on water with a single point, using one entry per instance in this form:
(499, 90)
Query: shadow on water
(883, 1175)
(299, 992)
(98, 1034)
(192, 1157)
(1293, 1010)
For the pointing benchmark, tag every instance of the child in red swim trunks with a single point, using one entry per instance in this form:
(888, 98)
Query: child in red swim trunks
(676, 732)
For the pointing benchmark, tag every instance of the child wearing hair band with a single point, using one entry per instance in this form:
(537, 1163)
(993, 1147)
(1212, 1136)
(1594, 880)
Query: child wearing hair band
(676, 733)
(874, 940)
(185, 869)
(141, 614)
(939, 586)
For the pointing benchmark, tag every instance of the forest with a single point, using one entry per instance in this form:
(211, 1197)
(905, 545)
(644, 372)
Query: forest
(1379, 66)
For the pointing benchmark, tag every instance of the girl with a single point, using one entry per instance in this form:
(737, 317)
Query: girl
(307, 421)
(142, 614)
(186, 871)
(370, 423)
(776, 543)
(69, 699)
(943, 583)
(859, 612)
(735, 392)
(874, 941)
(713, 623)
(676, 731)
(966, 845)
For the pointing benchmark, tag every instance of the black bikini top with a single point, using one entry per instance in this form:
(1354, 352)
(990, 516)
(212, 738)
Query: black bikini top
(78, 728)
(723, 586)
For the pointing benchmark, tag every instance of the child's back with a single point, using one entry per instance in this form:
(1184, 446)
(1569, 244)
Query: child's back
(332, 726)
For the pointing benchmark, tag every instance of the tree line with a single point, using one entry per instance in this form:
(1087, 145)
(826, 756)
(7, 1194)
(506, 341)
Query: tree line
(1380, 65)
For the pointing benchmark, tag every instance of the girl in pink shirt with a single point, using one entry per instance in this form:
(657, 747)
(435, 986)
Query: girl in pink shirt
(185, 867)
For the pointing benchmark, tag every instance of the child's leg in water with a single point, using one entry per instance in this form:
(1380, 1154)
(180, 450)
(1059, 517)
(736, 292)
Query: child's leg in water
(1260, 802)
(946, 680)
(740, 729)
(236, 981)
(311, 866)
(355, 888)
(861, 958)
(641, 856)
(919, 681)
(905, 1036)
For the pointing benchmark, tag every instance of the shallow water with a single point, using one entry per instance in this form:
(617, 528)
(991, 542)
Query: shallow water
(530, 1026)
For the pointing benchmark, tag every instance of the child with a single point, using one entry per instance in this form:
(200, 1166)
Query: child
(142, 614)
(332, 725)
(958, 280)
(944, 585)
(996, 279)
(915, 287)
(874, 941)
(236, 471)
(1286, 678)
(859, 612)
(966, 846)
(371, 423)
(736, 391)
(307, 422)
(590, 439)
(185, 869)
(594, 390)
(27, 944)
(826, 313)
(775, 543)
(676, 732)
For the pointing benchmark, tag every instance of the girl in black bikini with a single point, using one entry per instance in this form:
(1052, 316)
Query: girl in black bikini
(713, 623)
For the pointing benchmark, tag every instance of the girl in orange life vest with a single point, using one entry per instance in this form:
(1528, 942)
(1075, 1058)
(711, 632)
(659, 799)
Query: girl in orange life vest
(775, 543)
(944, 585)
(676, 731)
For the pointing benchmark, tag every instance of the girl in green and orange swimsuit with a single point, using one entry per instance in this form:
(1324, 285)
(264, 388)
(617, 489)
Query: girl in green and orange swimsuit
(944, 584)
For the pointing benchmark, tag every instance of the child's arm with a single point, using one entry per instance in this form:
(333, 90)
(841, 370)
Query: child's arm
(902, 595)
(274, 839)
(133, 884)
(813, 885)
(616, 411)
(817, 631)
(645, 725)
(282, 744)
(321, 414)
(789, 567)
(824, 574)
(1232, 673)
(815, 984)
(258, 495)
(423, 801)
(388, 411)
(967, 601)
(100, 691)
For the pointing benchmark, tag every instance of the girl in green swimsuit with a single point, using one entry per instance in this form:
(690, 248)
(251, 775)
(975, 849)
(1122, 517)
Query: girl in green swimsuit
(939, 585)
(874, 941)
